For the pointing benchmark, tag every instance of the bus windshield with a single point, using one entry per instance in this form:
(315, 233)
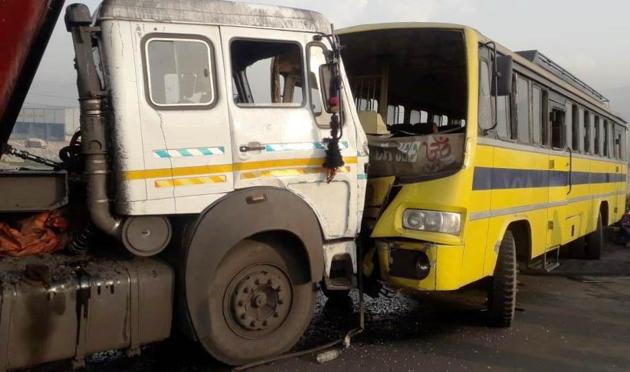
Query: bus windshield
(410, 89)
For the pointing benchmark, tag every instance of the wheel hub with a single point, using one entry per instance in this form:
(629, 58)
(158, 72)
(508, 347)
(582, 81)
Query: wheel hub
(261, 299)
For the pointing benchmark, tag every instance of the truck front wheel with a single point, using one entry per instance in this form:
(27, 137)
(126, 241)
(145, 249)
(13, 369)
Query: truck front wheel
(256, 309)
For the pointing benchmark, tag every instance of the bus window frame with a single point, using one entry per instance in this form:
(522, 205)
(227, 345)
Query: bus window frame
(518, 125)
(587, 131)
(597, 135)
(575, 127)
(541, 115)
(559, 108)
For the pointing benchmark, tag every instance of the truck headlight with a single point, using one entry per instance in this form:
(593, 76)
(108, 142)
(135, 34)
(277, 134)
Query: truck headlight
(442, 222)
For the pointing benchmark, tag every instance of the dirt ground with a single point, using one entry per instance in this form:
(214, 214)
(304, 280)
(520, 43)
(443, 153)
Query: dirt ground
(574, 319)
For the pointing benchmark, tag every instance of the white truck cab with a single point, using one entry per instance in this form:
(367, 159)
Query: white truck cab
(221, 111)
(220, 139)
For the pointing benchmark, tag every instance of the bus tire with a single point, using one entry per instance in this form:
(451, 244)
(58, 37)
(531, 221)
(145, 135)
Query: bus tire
(502, 291)
(256, 309)
(595, 241)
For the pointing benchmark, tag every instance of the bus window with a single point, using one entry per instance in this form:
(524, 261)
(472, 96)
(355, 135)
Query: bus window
(424, 117)
(443, 121)
(414, 117)
(395, 115)
(537, 116)
(557, 128)
(597, 143)
(522, 110)
(586, 130)
(575, 124)
(617, 144)
(503, 117)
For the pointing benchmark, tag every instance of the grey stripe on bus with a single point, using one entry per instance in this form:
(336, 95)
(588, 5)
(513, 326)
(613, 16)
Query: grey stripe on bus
(533, 207)
(506, 178)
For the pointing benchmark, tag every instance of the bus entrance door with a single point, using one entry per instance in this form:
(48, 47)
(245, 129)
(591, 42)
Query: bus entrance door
(560, 168)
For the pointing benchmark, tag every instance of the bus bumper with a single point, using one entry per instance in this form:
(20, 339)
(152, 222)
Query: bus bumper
(420, 266)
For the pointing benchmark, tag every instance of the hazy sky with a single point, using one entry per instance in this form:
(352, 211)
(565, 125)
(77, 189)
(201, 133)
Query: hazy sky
(589, 38)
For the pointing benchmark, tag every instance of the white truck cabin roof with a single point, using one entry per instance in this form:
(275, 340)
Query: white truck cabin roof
(215, 12)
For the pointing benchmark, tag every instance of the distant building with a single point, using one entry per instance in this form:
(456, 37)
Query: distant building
(51, 124)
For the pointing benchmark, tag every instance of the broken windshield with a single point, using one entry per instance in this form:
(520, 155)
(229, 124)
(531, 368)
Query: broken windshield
(410, 88)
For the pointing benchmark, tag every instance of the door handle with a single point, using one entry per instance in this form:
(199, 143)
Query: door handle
(252, 146)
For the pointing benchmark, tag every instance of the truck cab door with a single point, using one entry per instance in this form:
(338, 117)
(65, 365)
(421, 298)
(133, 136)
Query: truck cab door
(184, 120)
(278, 127)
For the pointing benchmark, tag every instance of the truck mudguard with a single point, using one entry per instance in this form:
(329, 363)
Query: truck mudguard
(235, 217)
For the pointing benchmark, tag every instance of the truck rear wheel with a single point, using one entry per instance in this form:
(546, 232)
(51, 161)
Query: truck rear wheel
(595, 241)
(502, 291)
(256, 309)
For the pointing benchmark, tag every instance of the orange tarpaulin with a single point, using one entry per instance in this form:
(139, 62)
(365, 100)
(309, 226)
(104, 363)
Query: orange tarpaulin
(39, 234)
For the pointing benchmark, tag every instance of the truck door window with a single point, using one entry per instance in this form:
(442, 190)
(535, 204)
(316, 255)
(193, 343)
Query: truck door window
(267, 73)
(179, 72)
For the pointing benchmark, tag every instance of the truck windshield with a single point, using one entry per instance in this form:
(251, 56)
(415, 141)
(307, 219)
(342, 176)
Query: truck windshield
(410, 88)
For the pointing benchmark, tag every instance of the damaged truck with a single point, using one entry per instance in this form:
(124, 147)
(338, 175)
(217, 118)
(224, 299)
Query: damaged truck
(217, 177)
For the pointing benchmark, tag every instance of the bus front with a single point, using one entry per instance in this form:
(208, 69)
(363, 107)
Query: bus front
(416, 88)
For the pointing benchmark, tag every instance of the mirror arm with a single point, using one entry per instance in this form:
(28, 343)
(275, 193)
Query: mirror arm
(495, 81)
(334, 158)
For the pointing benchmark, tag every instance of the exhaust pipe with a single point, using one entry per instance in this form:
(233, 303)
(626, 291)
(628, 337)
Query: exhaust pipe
(95, 111)
(143, 235)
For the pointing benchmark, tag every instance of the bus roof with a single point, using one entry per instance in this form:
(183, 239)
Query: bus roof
(522, 60)
(398, 26)
(216, 12)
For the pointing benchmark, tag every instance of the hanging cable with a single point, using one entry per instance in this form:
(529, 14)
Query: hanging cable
(334, 159)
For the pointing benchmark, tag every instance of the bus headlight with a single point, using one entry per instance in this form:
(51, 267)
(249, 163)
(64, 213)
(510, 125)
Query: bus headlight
(442, 222)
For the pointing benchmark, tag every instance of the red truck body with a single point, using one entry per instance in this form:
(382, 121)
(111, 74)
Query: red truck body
(25, 28)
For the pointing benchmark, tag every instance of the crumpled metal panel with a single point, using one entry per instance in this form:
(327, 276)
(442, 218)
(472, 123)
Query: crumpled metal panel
(214, 12)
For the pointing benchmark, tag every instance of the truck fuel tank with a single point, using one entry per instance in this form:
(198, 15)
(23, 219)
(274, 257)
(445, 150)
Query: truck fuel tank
(60, 307)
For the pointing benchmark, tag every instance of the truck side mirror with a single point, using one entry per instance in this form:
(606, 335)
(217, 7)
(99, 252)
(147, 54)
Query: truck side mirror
(505, 71)
(326, 77)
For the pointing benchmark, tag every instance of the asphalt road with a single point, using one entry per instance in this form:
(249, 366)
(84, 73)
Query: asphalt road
(574, 319)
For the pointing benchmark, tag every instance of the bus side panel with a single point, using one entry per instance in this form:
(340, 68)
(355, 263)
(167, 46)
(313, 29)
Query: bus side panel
(478, 240)
(518, 195)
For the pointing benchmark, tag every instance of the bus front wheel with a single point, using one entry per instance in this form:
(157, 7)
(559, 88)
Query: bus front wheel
(595, 241)
(502, 290)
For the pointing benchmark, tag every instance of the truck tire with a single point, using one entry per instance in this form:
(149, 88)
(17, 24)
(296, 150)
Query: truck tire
(595, 241)
(502, 290)
(256, 309)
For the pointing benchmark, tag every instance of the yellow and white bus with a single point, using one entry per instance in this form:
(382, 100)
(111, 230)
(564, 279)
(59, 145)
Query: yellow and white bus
(481, 159)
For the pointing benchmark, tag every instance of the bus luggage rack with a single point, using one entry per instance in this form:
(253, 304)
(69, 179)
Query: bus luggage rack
(548, 64)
